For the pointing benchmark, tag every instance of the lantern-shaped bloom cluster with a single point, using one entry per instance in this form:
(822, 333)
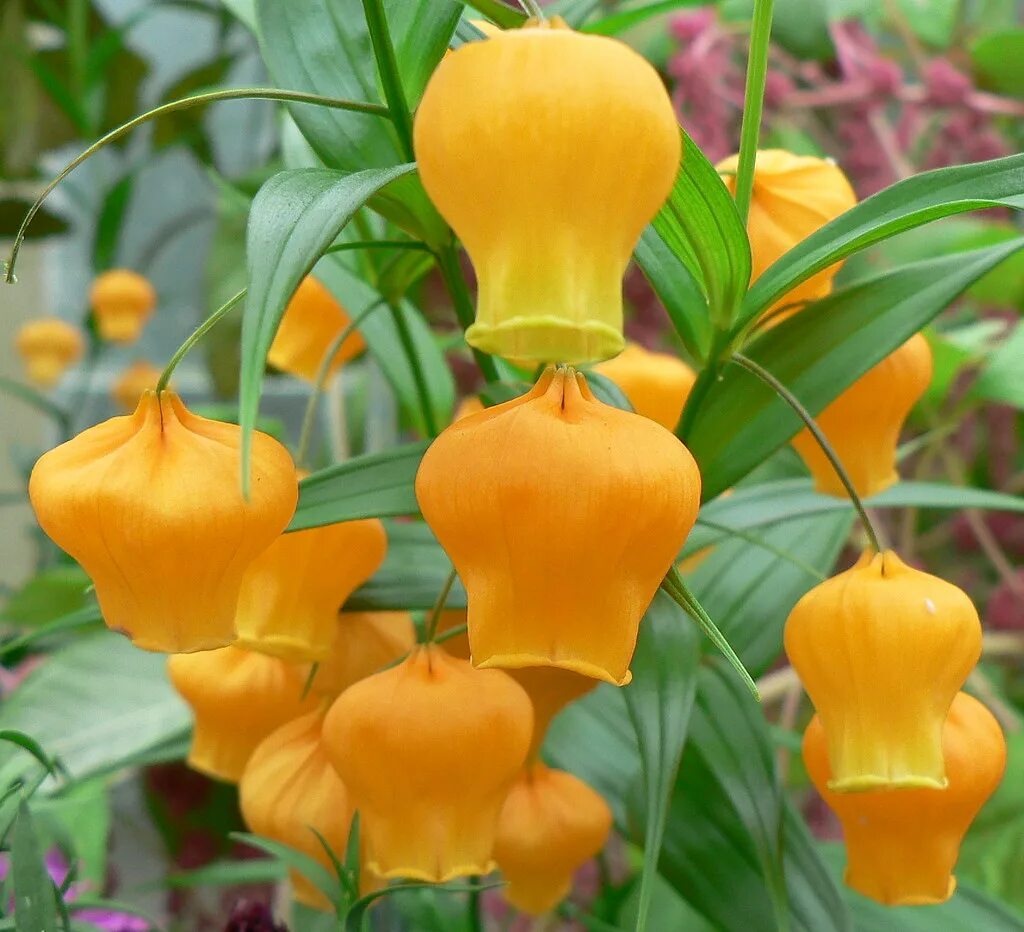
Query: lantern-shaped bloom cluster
(47, 347)
(122, 301)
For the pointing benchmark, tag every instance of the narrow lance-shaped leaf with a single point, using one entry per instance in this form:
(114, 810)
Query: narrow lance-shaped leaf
(35, 906)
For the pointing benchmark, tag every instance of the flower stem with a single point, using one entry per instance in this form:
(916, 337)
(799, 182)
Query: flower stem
(455, 283)
(193, 338)
(753, 103)
(387, 68)
(430, 629)
(787, 396)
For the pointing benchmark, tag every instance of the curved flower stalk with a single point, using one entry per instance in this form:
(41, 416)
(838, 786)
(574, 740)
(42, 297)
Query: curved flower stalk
(656, 384)
(122, 301)
(562, 516)
(47, 348)
(149, 505)
(366, 643)
(882, 650)
(581, 133)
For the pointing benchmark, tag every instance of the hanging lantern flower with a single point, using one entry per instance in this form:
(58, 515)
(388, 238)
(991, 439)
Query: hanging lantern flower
(312, 322)
(47, 347)
(292, 591)
(863, 424)
(150, 506)
(581, 131)
(882, 650)
(655, 384)
(793, 197)
(551, 824)
(553, 578)
(428, 750)
(140, 377)
(550, 690)
(902, 846)
(238, 698)
(367, 642)
(471, 404)
(122, 301)
(288, 790)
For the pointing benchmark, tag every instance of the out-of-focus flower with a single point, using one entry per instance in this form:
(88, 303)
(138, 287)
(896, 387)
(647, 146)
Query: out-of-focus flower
(140, 377)
(655, 384)
(150, 506)
(581, 131)
(366, 643)
(47, 347)
(122, 301)
(550, 690)
(882, 650)
(253, 917)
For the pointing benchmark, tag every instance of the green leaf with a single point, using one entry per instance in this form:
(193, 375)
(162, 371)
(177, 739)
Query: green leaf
(312, 870)
(933, 21)
(110, 222)
(35, 907)
(906, 204)
(79, 620)
(998, 60)
(78, 820)
(356, 919)
(28, 743)
(294, 218)
(48, 595)
(659, 700)
(36, 399)
(228, 874)
(1002, 379)
(617, 23)
(819, 352)
(501, 14)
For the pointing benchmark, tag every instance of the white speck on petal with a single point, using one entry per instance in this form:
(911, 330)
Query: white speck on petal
(930, 605)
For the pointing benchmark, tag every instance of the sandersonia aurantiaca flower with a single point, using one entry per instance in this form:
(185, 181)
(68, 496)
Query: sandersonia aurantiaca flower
(47, 347)
(551, 824)
(139, 378)
(291, 593)
(238, 697)
(902, 846)
(655, 384)
(550, 690)
(581, 133)
(562, 515)
(882, 649)
(288, 789)
(122, 301)
(366, 643)
(312, 321)
(149, 504)
(793, 196)
(428, 750)
(863, 423)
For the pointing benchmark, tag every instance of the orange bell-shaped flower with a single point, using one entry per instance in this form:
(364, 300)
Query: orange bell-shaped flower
(863, 424)
(550, 690)
(238, 697)
(366, 643)
(428, 750)
(150, 506)
(581, 132)
(655, 384)
(139, 378)
(793, 196)
(882, 650)
(122, 301)
(48, 347)
(312, 322)
(288, 789)
(292, 591)
(551, 824)
(562, 515)
(902, 846)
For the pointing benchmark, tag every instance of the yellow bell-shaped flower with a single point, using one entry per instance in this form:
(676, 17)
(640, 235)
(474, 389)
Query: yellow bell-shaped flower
(882, 649)
(292, 591)
(312, 322)
(793, 196)
(551, 824)
(902, 846)
(140, 377)
(550, 690)
(428, 751)
(150, 505)
(655, 384)
(238, 698)
(548, 151)
(288, 789)
(47, 347)
(863, 424)
(122, 301)
(562, 515)
(366, 643)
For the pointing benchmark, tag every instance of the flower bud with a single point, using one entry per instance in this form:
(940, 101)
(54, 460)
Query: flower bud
(902, 846)
(882, 650)
(551, 824)
(150, 506)
(428, 751)
(581, 132)
(140, 377)
(367, 642)
(655, 384)
(238, 698)
(48, 347)
(312, 321)
(562, 515)
(863, 423)
(122, 301)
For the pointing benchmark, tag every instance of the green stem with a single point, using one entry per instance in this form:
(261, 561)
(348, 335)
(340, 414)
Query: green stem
(753, 103)
(787, 396)
(380, 244)
(430, 629)
(475, 921)
(193, 338)
(756, 541)
(422, 389)
(240, 93)
(462, 301)
(448, 635)
(387, 68)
